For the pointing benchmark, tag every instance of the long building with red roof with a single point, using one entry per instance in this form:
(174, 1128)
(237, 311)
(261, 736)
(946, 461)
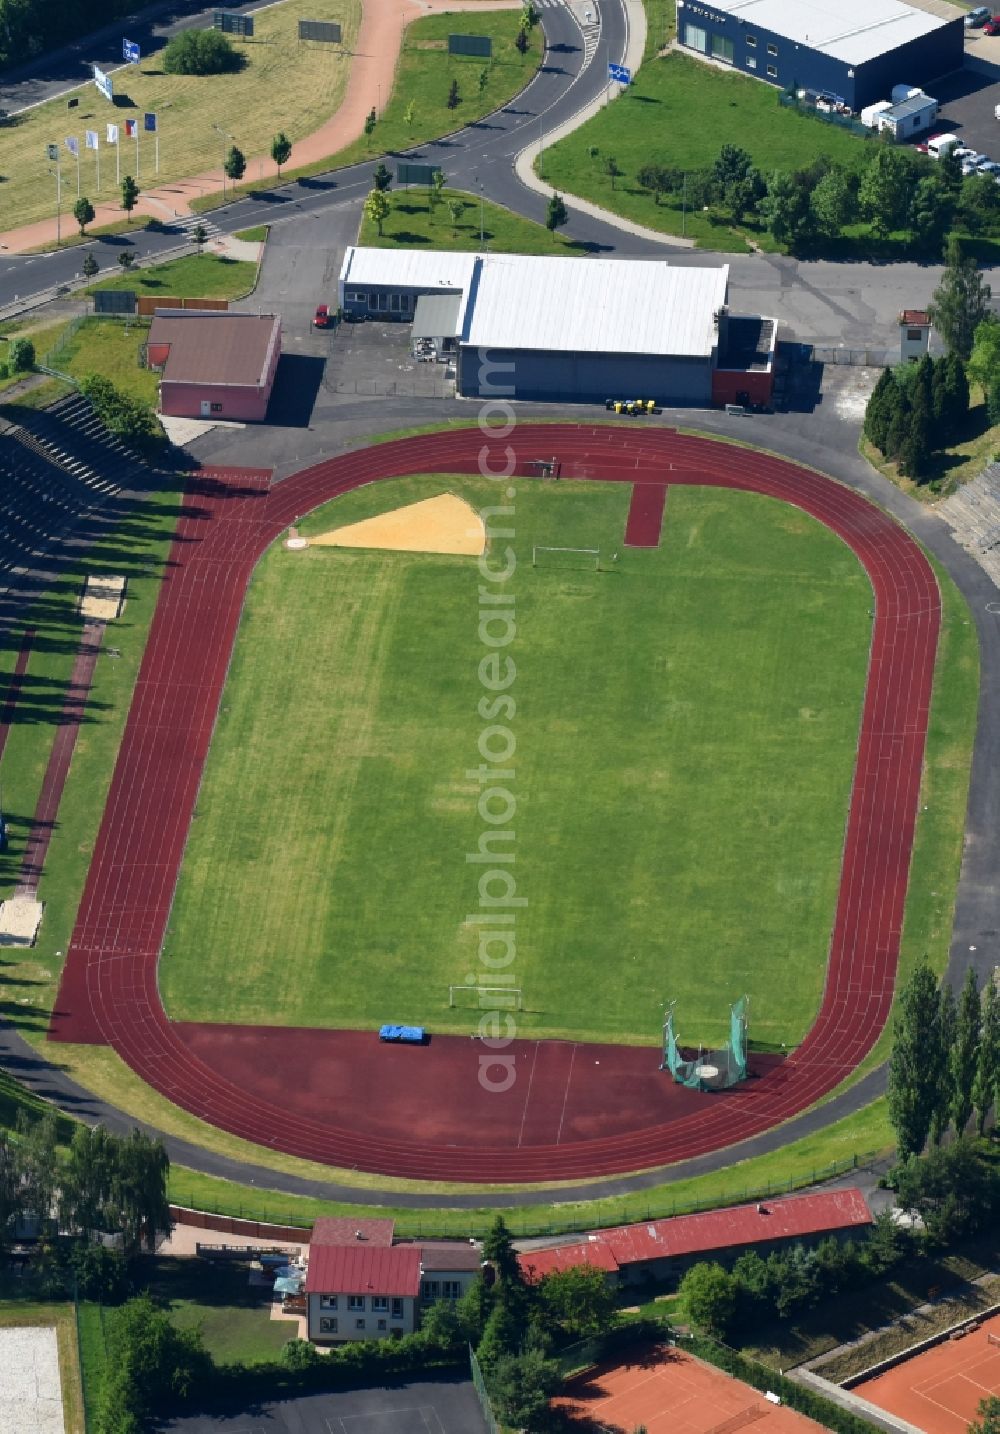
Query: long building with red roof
(661, 1247)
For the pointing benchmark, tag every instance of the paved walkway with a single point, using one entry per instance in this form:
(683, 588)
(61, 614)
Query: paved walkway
(373, 69)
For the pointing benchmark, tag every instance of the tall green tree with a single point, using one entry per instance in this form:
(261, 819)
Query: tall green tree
(521, 1386)
(899, 423)
(912, 1091)
(579, 1300)
(886, 189)
(501, 1337)
(151, 1366)
(498, 1251)
(961, 300)
(787, 209)
(834, 201)
(281, 150)
(984, 361)
(556, 213)
(89, 267)
(130, 195)
(10, 1186)
(83, 213)
(709, 1296)
(88, 1175)
(986, 1089)
(382, 177)
(939, 1061)
(989, 1417)
(879, 410)
(964, 1052)
(38, 1163)
(139, 1190)
(377, 208)
(235, 164)
(932, 209)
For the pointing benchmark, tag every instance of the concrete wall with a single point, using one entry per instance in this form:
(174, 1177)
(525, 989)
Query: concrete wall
(243, 405)
(728, 382)
(587, 378)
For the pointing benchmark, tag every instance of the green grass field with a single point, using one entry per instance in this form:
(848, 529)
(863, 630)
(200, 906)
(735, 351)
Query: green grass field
(679, 112)
(193, 276)
(284, 85)
(414, 220)
(675, 733)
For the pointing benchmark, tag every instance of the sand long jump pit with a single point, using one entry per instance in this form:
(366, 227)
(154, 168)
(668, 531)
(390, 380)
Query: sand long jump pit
(30, 1391)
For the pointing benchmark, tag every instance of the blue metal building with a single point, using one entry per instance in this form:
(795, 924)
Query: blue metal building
(854, 51)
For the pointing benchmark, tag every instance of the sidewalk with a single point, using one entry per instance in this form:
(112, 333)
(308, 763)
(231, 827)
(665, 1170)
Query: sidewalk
(373, 70)
(524, 163)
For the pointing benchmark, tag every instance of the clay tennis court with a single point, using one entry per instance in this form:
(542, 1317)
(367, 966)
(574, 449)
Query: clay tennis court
(940, 1390)
(667, 1389)
(561, 1125)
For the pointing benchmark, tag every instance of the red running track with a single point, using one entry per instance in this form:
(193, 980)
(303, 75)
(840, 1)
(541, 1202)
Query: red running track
(13, 694)
(109, 991)
(645, 515)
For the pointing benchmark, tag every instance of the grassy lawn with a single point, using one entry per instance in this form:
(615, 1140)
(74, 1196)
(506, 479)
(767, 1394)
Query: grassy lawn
(414, 220)
(283, 85)
(423, 76)
(107, 346)
(18, 1309)
(234, 1317)
(679, 112)
(648, 729)
(961, 461)
(195, 276)
(256, 234)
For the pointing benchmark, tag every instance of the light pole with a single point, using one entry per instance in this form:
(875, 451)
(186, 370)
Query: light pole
(52, 151)
(225, 136)
(481, 203)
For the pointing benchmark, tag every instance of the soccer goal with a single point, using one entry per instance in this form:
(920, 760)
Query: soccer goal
(546, 557)
(472, 997)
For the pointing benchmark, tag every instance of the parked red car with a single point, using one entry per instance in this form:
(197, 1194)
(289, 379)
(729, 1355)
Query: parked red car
(992, 26)
(321, 318)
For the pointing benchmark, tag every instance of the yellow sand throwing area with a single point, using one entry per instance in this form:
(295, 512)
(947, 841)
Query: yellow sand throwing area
(445, 524)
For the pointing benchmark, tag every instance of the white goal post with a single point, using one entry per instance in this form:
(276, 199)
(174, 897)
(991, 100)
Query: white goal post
(564, 556)
(514, 994)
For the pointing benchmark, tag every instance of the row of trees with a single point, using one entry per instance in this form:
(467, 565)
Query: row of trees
(895, 191)
(916, 409)
(945, 1061)
(105, 1184)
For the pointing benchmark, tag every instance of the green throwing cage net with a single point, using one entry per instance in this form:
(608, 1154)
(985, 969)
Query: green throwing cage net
(709, 1070)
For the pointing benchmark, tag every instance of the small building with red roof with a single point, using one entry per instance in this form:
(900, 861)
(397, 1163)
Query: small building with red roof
(662, 1248)
(362, 1283)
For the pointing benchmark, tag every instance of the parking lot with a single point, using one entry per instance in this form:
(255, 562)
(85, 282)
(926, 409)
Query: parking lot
(969, 98)
(373, 360)
(439, 1407)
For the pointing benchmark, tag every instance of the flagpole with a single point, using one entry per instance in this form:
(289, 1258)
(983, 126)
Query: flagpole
(157, 142)
(137, 149)
(78, 171)
(118, 157)
(97, 161)
(58, 200)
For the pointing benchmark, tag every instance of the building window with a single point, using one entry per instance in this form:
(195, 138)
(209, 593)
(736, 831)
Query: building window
(722, 49)
(216, 407)
(772, 49)
(328, 1326)
(328, 1302)
(915, 334)
(397, 303)
(380, 1302)
(451, 1289)
(397, 1331)
(397, 1309)
(696, 38)
(356, 297)
(381, 1324)
(355, 1302)
(359, 1324)
(430, 1290)
(751, 62)
(772, 72)
(750, 40)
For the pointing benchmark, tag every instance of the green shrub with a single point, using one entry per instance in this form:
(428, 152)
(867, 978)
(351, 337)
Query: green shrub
(201, 52)
(22, 356)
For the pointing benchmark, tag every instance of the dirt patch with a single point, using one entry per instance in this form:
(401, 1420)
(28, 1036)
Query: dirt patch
(445, 524)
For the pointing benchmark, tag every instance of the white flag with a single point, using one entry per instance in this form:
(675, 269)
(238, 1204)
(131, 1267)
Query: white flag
(112, 134)
(92, 140)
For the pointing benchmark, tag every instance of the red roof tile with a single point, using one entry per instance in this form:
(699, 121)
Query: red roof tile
(536, 1264)
(790, 1218)
(363, 1270)
(330, 1231)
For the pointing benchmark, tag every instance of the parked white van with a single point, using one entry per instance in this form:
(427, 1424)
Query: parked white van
(941, 144)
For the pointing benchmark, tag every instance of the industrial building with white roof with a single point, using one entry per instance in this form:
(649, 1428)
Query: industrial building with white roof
(562, 329)
(852, 51)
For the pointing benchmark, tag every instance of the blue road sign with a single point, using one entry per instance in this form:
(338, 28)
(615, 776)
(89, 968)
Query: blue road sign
(130, 52)
(621, 74)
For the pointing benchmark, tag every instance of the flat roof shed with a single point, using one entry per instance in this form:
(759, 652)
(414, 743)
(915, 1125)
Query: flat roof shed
(214, 363)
